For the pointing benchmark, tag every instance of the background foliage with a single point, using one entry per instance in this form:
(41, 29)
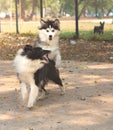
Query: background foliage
(55, 8)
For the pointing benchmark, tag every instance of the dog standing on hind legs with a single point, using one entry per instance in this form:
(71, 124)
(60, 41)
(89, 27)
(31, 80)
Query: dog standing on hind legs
(48, 39)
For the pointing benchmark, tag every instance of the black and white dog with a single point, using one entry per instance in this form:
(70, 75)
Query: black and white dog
(35, 69)
(48, 39)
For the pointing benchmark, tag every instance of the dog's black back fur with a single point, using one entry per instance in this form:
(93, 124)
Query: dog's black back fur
(34, 53)
(48, 72)
(99, 29)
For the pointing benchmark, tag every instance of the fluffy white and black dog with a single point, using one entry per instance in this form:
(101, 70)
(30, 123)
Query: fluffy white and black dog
(34, 69)
(48, 39)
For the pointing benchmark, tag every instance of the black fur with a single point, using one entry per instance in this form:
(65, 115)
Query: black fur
(53, 23)
(99, 29)
(34, 53)
(48, 72)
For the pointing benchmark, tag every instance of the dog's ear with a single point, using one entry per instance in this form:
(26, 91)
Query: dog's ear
(102, 23)
(56, 23)
(27, 48)
(42, 21)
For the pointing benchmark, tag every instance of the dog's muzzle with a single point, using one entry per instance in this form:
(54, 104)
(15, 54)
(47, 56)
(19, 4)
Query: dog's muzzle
(45, 57)
(50, 37)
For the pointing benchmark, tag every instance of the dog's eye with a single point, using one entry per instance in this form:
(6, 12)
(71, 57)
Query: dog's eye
(53, 30)
(47, 30)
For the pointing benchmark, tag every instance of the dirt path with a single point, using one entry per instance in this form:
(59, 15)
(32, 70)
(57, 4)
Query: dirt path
(87, 104)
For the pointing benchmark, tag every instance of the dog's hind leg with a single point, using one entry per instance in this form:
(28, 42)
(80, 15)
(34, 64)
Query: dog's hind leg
(62, 88)
(33, 95)
(42, 91)
(58, 81)
(42, 95)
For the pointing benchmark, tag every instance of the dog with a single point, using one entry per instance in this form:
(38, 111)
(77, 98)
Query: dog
(34, 69)
(99, 29)
(48, 39)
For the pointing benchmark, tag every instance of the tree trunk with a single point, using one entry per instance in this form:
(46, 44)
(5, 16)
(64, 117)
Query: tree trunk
(83, 9)
(96, 8)
(33, 9)
(23, 8)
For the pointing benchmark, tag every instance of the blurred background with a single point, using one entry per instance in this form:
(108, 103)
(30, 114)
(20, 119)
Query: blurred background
(89, 12)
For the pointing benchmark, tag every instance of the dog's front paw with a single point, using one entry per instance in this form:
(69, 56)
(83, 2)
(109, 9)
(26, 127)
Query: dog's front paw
(30, 106)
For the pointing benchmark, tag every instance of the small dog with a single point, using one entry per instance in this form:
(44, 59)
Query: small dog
(35, 69)
(48, 39)
(99, 29)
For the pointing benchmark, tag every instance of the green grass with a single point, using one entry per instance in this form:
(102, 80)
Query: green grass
(108, 35)
(67, 35)
(89, 35)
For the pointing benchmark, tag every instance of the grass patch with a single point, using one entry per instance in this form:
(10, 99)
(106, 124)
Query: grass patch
(88, 35)
(108, 35)
(67, 35)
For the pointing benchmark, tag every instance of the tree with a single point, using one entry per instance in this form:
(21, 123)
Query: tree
(55, 8)
(4, 5)
(67, 7)
(34, 5)
(52, 7)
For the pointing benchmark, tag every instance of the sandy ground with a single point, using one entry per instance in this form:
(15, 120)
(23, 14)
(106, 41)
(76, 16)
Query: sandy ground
(87, 104)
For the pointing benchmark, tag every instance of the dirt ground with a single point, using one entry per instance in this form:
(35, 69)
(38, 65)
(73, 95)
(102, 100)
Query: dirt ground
(83, 50)
(87, 74)
(87, 104)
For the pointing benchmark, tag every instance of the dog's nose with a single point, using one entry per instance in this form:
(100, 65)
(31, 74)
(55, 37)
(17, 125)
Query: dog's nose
(50, 37)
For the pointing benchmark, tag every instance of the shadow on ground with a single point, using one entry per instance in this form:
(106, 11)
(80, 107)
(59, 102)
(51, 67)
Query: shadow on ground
(87, 104)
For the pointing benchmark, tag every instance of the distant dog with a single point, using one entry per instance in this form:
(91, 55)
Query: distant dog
(99, 29)
(48, 39)
(34, 69)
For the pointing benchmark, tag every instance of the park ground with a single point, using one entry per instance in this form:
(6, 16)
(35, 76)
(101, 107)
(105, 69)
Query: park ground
(87, 74)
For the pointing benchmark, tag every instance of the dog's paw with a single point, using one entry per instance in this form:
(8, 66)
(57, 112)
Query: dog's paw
(30, 106)
(62, 93)
(42, 95)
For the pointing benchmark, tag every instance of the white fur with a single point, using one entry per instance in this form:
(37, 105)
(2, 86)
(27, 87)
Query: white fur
(23, 64)
(26, 69)
(24, 91)
(33, 95)
(52, 45)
